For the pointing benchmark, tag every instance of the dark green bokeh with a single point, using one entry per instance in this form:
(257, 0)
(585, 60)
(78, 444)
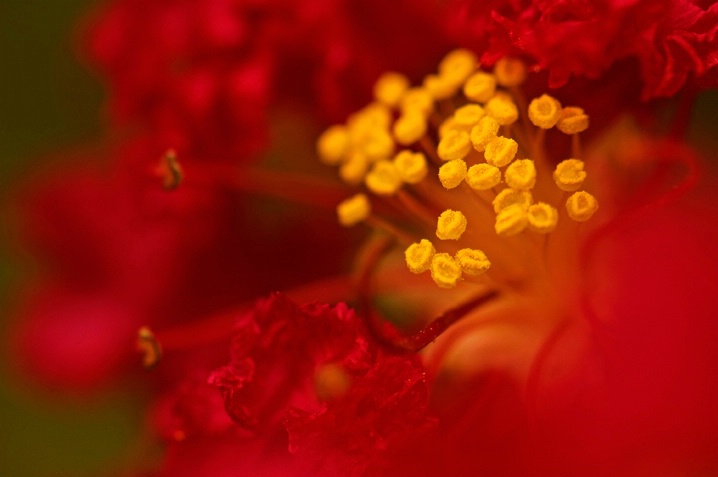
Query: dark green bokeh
(48, 102)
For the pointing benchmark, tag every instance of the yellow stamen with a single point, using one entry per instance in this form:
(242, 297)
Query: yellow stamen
(417, 100)
(500, 151)
(472, 261)
(354, 169)
(353, 210)
(458, 65)
(411, 166)
(542, 218)
(451, 225)
(510, 72)
(483, 132)
(508, 197)
(544, 111)
(452, 173)
(480, 87)
(569, 175)
(383, 179)
(449, 124)
(445, 271)
(573, 120)
(468, 116)
(440, 87)
(512, 220)
(483, 176)
(333, 145)
(390, 88)
(418, 256)
(409, 128)
(581, 206)
(502, 108)
(455, 145)
(378, 144)
(150, 348)
(371, 117)
(521, 174)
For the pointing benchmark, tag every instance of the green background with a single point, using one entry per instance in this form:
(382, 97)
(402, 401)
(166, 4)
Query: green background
(48, 102)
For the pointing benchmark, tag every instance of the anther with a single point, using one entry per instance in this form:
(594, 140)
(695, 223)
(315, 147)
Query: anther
(512, 220)
(581, 206)
(445, 271)
(170, 171)
(480, 87)
(573, 120)
(510, 72)
(440, 87)
(353, 170)
(390, 88)
(458, 65)
(452, 173)
(521, 174)
(333, 145)
(542, 218)
(150, 348)
(451, 225)
(472, 261)
(468, 116)
(417, 100)
(353, 210)
(410, 127)
(377, 145)
(544, 111)
(418, 256)
(411, 166)
(509, 197)
(455, 145)
(502, 109)
(383, 179)
(483, 132)
(483, 176)
(448, 124)
(569, 175)
(500, 151)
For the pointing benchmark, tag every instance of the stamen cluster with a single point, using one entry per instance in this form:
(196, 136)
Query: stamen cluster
(476, 132)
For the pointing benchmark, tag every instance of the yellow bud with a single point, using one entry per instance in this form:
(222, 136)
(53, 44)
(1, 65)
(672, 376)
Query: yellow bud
(417, 100)
(451, 225)
(354, 168)
(468, 116)
(452, 173)
(573, 120)
(544, 111)
(411, 166)
(511, 221)
(581, 206)
(521, 174)
(510, 72)
(542, 218)
(483, 176)
(502, 109)
(377, 144)
(383, 179)
(418, 256)
(390, 87)
(445, 271)
(458, 65)
(472, 261)
(509, 197)
(353, 210)
(569, 175)
(409, 128)
(480, 87)
(333, 145)
(500, 151)
(440, 87)
(455, 145)
(482, 133)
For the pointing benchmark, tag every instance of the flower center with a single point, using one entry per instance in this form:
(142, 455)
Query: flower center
(463, 160)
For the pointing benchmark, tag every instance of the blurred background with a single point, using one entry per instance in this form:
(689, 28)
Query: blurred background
(49, 103)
